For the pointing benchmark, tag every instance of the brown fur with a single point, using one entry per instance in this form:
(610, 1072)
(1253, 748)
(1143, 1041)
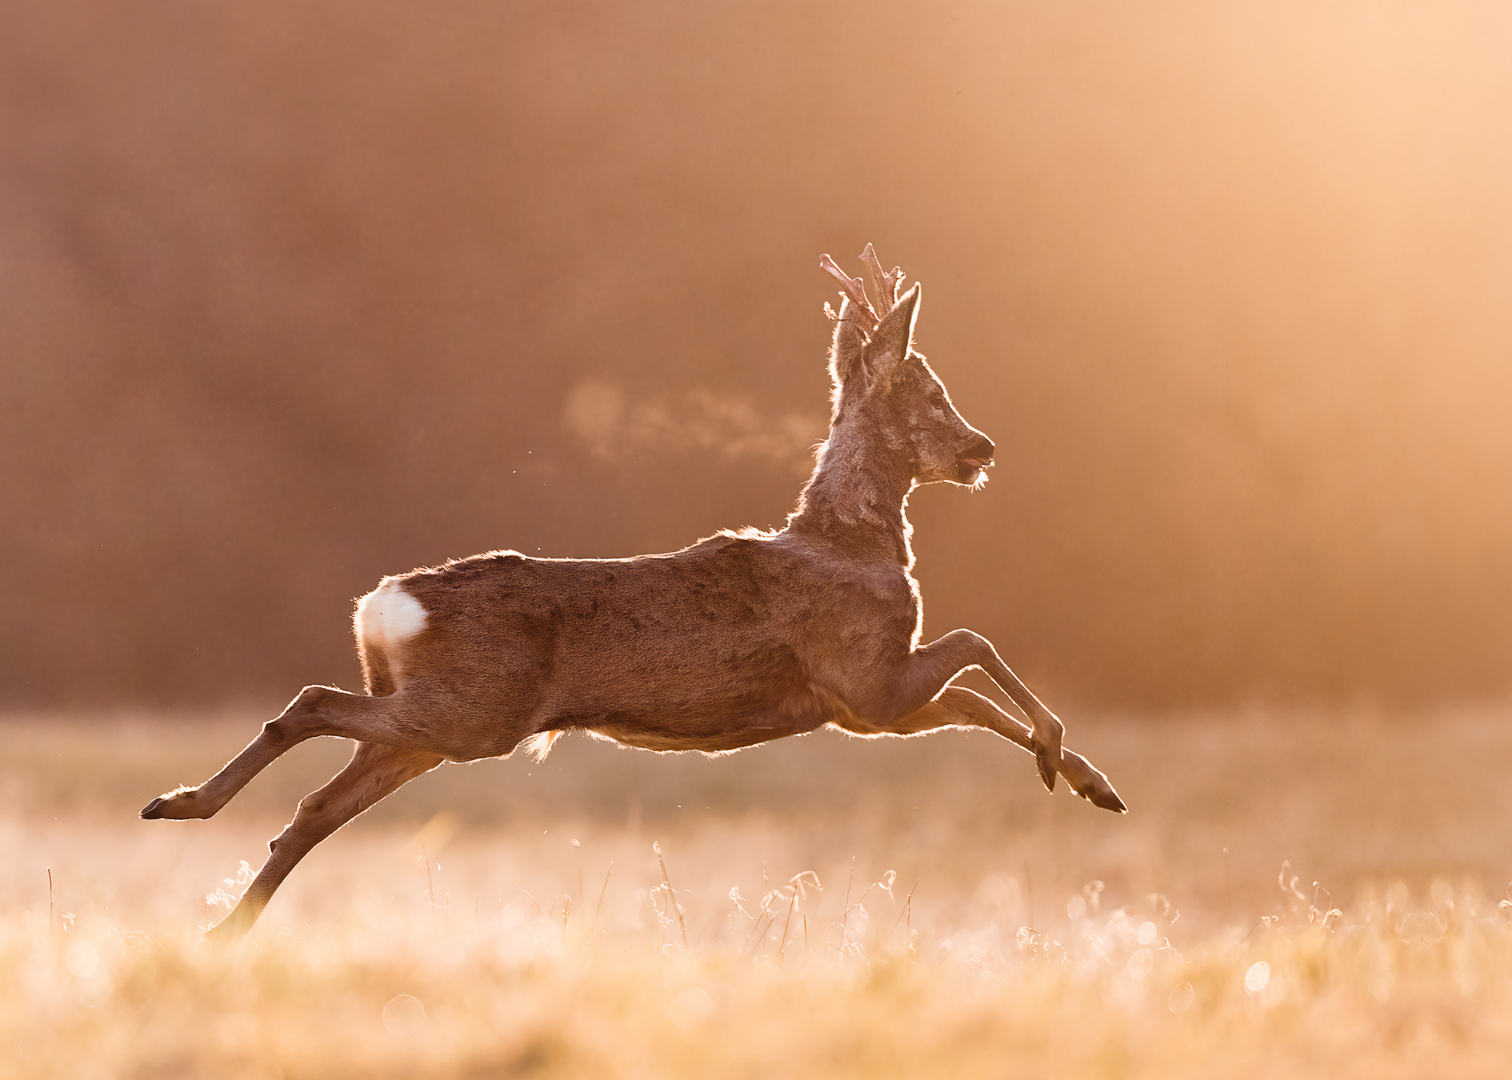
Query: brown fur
(741, 638)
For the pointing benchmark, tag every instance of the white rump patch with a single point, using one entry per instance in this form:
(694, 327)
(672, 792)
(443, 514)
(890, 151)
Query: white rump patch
(388, 617)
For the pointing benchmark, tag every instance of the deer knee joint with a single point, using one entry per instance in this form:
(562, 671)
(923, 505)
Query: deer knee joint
(309, 700)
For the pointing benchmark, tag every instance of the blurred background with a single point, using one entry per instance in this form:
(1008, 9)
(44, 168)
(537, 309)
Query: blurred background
(299, 294)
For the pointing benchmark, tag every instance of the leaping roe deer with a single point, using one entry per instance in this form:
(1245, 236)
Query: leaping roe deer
(741, 638)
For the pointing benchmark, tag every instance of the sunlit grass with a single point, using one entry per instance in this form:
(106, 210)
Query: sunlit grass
(824, 936)
(1388, 988)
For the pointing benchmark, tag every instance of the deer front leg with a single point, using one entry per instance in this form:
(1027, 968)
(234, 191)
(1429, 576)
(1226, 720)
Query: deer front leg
(959, 707)
(374, 772)
(932, 666)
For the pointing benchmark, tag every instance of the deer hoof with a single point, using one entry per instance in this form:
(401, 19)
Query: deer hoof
(177, 805)
(228, 931)
(1047, 768)
(1099, 792)
(1091, 784)
(1106, 798)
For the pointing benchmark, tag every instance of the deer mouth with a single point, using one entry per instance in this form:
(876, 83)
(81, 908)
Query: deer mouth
(972, 470)
(973, 461)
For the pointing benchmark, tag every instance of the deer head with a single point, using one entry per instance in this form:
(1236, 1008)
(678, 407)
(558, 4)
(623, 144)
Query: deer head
(882, 381)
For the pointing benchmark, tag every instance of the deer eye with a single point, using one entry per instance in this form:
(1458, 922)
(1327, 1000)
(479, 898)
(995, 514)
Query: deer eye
(937, 398)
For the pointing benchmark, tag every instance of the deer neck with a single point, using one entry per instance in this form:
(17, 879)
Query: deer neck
(857, 495)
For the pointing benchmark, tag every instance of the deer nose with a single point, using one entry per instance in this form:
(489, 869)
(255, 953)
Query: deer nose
(981, 451)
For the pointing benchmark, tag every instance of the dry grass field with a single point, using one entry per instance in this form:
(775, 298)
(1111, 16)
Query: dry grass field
(1298, 895)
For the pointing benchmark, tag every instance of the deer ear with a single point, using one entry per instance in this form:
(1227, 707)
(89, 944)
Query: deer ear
(890, 344)
(849, 346)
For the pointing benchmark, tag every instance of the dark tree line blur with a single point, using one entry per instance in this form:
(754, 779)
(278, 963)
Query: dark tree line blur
(293, 295)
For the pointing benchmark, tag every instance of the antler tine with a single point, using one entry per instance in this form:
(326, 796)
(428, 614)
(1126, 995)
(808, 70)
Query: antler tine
(853, 287)
(883, 283)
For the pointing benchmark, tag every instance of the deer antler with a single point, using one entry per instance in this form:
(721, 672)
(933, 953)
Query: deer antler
(852, 286)
(883, 283)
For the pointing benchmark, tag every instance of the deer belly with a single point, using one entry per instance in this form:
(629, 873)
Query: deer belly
(713, 732)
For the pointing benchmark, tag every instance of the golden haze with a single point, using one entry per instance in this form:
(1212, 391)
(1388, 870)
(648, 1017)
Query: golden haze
(303, 294)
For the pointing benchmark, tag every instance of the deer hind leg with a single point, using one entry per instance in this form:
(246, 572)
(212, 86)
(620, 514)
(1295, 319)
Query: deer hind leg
(316, 710)
(374, 772)
(959, 707)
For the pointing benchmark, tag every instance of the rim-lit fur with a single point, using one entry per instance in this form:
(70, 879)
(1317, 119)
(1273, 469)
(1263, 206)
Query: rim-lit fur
(738, 639)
